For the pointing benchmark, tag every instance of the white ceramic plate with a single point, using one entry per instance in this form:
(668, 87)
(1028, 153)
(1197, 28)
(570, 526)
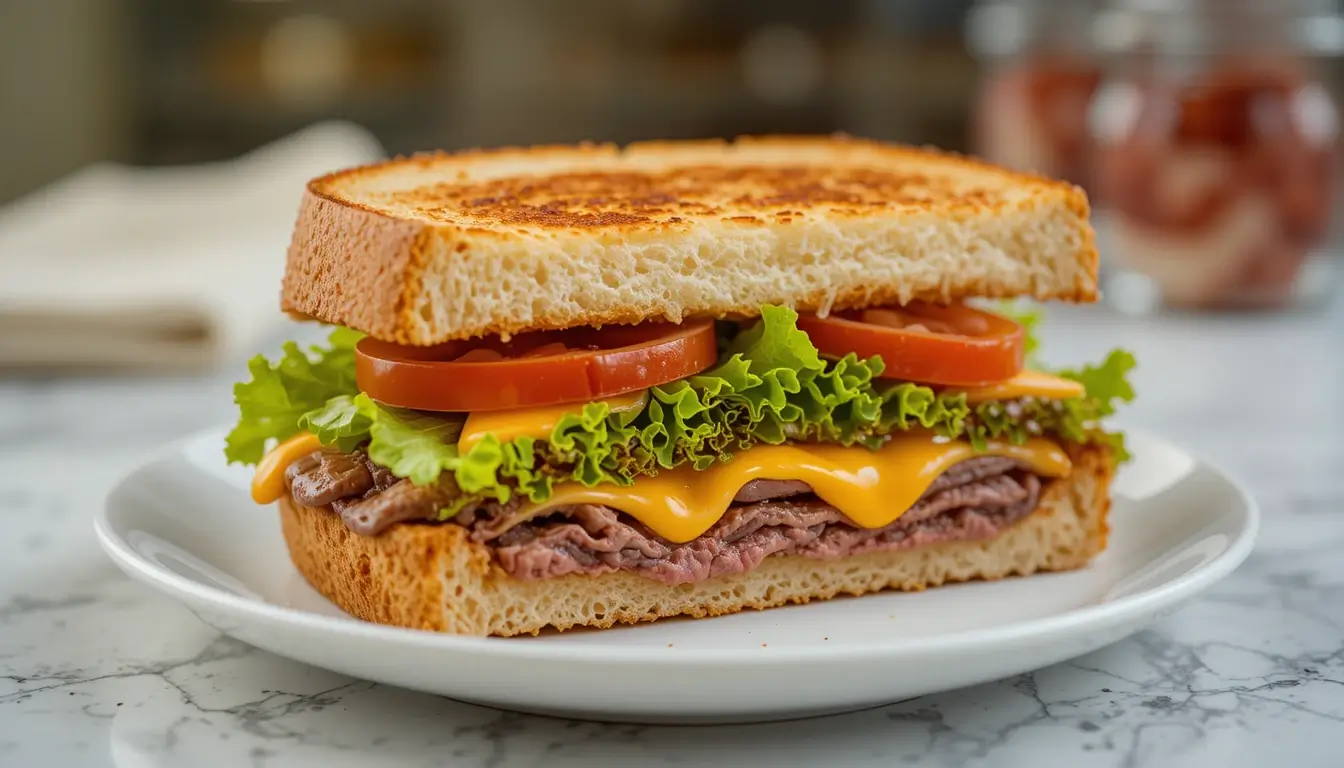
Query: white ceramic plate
(183, 523)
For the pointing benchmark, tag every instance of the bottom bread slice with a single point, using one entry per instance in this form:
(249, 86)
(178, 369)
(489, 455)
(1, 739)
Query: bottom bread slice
(433, 577)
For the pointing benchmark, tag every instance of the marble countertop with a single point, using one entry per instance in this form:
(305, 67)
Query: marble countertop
(96, 670)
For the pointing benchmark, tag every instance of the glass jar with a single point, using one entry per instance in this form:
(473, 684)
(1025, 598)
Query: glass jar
(1215, 141)
(1039, 74)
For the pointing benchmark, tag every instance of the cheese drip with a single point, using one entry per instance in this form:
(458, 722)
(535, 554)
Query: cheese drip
(268, 482)
(1028, 383)
(872, 488)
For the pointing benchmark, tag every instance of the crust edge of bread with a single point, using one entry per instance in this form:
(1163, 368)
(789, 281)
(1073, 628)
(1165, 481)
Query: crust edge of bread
(325, 185)
(432, 577)
(415, 282)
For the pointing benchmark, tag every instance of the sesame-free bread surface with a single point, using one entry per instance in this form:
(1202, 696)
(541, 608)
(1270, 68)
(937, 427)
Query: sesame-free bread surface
(432, 577)
(433, 248)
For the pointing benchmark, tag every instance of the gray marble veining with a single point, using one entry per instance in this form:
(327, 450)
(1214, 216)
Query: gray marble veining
(96, 670)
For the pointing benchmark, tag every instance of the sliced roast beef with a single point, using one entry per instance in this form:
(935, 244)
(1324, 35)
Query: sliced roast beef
(972, 470)
(328, 476)
(761, 490)
(974, 499)
(352, 485)
(593, 540)
(368, 497)
(960, 474)
(403, 502)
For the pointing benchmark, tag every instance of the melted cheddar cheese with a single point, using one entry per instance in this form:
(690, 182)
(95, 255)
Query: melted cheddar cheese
(536, 423)
(872, 488)
(268, 482)
(1028, 383)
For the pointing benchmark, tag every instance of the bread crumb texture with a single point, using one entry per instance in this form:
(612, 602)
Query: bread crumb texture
(432, 577)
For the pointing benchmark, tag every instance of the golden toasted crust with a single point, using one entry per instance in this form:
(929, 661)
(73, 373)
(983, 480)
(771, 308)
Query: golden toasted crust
(433, 577)
(431, 248)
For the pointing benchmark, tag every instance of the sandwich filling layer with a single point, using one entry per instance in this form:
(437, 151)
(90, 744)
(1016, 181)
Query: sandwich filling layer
(778, 447)
(771, 389)
(974, 499)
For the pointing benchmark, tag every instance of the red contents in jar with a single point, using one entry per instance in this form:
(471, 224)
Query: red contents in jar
(1221, 187)
(1034, 116)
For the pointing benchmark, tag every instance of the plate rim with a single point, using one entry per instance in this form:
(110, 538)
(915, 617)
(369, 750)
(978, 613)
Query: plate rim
(1122, 610)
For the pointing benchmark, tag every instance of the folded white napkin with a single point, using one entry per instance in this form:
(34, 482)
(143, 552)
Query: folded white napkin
(174, 267)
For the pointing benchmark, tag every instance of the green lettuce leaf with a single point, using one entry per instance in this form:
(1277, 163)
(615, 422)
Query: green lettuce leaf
(907, 406)
(1029, 316)
(272, 404)
(1108, 383)
(1107, 387)
(409, 443)
(339, 422)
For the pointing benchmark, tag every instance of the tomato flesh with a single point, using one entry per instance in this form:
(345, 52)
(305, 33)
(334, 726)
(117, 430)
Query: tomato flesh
(951, 345)
(533, 369)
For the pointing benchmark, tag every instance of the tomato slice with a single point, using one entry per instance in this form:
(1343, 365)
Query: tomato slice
(951, 345)
(533, 369)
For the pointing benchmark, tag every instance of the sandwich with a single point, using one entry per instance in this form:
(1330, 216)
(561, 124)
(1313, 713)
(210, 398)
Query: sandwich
(577, 386)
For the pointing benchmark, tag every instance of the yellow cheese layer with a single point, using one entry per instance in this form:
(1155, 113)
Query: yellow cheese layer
(872, 488)
(1027, 384)
(536, 423)
(268, 483)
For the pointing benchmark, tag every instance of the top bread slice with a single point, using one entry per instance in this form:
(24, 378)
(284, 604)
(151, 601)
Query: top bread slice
(433, 248)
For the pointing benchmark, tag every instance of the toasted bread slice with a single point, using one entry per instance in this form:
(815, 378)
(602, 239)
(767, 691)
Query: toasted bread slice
(434, 577)
(434, 248)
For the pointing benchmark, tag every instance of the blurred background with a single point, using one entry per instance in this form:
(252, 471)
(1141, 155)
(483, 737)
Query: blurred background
(166, 81)
(137, 131)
